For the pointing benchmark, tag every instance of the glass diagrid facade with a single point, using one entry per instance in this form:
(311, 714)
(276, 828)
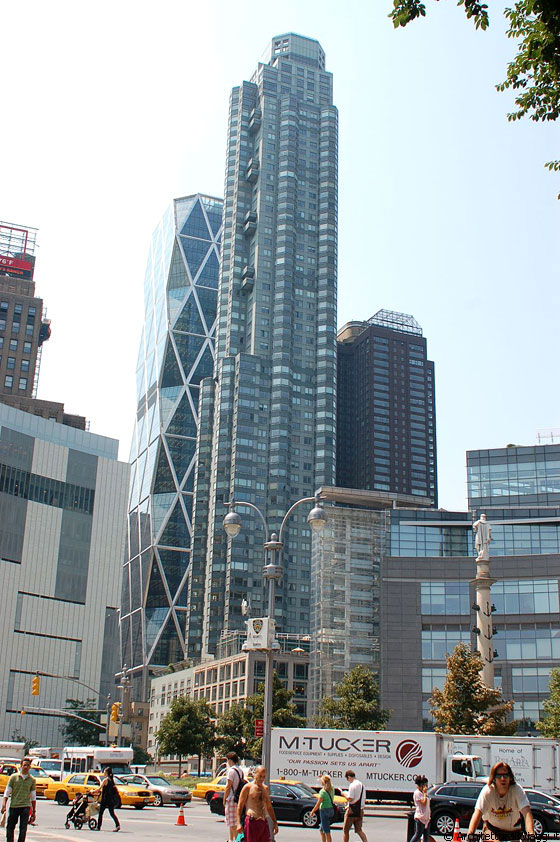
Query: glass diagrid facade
(176, 353)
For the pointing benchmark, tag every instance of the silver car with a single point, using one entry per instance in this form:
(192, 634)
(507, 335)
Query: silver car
(163, 791)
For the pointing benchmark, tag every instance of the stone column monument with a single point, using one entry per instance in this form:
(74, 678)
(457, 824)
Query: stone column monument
(483, 584)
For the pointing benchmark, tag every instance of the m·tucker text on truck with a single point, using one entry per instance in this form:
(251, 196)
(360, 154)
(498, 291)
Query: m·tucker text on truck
(386, 762)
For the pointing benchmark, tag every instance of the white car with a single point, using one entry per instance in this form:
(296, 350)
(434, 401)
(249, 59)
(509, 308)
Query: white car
(163, 791)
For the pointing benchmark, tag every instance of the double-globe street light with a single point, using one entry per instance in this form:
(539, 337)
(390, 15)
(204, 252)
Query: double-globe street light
(272, 573)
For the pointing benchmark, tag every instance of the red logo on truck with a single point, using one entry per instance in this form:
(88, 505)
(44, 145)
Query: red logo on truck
(409, 753)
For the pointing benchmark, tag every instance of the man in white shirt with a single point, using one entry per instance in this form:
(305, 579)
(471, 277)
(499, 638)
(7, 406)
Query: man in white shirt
(356, 795)
(234, 777)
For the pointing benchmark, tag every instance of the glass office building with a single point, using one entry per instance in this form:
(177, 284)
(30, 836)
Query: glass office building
(427, 592)
(273, 404)
(524, 476)
(176, 353)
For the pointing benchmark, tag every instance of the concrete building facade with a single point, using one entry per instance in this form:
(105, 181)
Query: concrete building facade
(62, 538)
(23, 328)
(230, 677)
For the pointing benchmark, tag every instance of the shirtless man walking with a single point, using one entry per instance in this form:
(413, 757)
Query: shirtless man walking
(255, 800)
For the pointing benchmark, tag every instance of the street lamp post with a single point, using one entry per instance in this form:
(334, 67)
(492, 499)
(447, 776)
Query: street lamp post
(272, 573)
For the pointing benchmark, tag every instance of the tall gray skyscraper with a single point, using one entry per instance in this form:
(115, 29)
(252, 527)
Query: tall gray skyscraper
(271, 405)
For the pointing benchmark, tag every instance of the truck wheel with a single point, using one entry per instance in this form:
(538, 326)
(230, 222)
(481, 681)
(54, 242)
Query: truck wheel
(445, 824)
(61, 798)
(309, 820)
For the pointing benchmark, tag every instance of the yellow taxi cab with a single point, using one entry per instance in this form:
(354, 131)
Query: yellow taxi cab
(207, 789)
(42, 780)
(7, 768)
(129, 794)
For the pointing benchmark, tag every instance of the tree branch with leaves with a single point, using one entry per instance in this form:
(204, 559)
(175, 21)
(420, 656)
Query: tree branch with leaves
(534, 73)
(466, 705)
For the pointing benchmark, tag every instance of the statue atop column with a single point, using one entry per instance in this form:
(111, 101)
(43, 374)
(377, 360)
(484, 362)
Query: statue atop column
(483, 537)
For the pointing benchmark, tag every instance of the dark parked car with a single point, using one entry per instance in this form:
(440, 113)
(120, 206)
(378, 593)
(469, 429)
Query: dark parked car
(457, 800)
(292, 802)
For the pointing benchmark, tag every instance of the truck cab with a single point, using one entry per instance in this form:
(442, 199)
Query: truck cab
(464, 767)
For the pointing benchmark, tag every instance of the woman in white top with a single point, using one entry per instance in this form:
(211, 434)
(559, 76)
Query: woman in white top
(501, 804)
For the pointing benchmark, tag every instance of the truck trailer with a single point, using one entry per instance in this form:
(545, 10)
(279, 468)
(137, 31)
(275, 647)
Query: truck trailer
(386, 762)
(534, 760)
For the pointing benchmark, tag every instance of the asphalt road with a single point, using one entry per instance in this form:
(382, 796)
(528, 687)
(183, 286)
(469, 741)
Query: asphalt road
(159, 823)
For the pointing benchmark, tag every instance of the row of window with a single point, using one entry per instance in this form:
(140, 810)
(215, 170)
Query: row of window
(9, 383)
(512, 644)
(51, 492)
(510, 596)
(449, 541)
(14, 343)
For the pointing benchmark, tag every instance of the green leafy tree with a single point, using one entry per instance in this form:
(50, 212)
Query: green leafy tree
(549, 725)
(284, 713)
(19, 738)
(235, 728)
(76, 732)
(140, 756)
(187, 729)
(466, 705)
(534, 73)
(354, 704)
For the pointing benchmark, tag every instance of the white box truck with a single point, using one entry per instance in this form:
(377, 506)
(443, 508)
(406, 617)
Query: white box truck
(12, 751)
(385, 761)
(534, 760)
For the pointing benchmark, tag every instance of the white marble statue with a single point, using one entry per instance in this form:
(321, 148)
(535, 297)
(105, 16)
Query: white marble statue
(483, 537)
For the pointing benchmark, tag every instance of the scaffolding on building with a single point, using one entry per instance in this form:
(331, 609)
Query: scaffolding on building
(392, 320)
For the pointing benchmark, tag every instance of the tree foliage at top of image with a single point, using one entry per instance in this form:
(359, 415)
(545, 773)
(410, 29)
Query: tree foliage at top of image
(355, 704)
(534, 73)
(76, 732)
(466, 705)
(549, 725)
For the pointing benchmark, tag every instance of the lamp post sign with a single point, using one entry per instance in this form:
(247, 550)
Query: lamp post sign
(260, 634)
(261, 630)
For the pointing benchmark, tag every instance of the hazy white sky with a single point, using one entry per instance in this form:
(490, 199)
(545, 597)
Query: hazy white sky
(446, 210)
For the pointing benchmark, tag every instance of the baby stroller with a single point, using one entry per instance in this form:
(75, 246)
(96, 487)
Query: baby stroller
(81, 812)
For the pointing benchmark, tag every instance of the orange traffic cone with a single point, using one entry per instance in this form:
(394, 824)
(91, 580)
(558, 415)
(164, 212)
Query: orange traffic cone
(456, 832)
(181, 818)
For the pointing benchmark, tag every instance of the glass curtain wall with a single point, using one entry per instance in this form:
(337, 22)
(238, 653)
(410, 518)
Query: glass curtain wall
(176, 353)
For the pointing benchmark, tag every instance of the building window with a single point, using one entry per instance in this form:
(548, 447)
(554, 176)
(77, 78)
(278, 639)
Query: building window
(11, 364)
(529, 596)
(437, 643)
(444, 598)
(8, 381)
(22, 384)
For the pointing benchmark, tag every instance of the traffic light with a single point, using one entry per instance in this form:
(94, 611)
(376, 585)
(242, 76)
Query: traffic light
(35, 685)
(115, 710)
